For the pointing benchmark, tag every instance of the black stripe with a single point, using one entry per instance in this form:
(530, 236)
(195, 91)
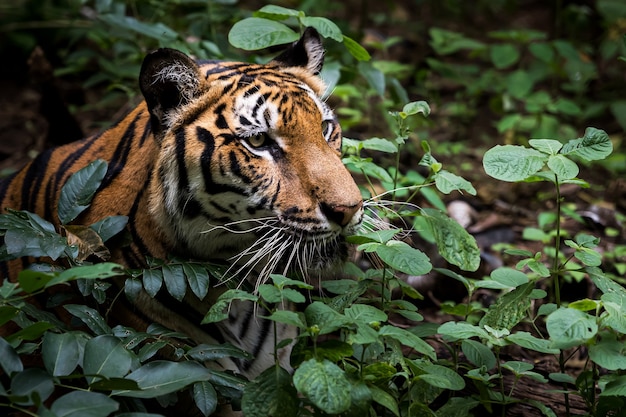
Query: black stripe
(33, 179)
(4, 186)
(120, 155)
(183, 180)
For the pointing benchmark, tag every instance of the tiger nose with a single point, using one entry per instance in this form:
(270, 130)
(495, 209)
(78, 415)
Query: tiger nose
(340, 214)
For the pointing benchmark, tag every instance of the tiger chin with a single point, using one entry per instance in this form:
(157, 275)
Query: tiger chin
(228, 161)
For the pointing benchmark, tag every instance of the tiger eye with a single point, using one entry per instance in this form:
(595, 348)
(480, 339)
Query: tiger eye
(257, 141)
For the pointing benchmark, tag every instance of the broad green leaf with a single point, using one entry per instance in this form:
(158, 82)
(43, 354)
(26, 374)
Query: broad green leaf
(84, 404)
(96, 271)
(10, 361)
(281, 281)
(385, 399)
(454, 331)
(327, 319)
(271, 11)
(447, 42)
(219, 310)
(568, 327)
(616, 387)
(175, 282)
(609, 353)
(7, 313)
(458, 407)
(90, 317)
(547, 146)
(109, 226)
(374, 77)
(381, 145)
(324, 384)
(355, 49)
(407, 338)
(79, 189)
(404, 258)
(30, 332)
(415, 107)
(509, 277)
(504, 55)
(33, 383)
(31, 280)
(255, 33)
(446, 182)
(584, 305)
(152, 281)
(270, 394)
(441, 377)
(478, 354)
(148, 350)
(205, 397)
(519, 84)
(562, 166)
(367, 167)
(327, 28)
(163, 377)
(528, 341)
(291, 318)
(60, 353)
(615, 318)
(198, 279)
(106, 356)
(594, 145)
(512, 163)
(27, 234)
(365, 313)
(509, 309)
(454, 243)
(213, 352)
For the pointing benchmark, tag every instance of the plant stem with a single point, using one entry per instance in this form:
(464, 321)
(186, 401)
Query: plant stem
(556, 283)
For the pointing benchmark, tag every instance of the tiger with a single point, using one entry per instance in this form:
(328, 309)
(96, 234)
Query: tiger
(222, 161)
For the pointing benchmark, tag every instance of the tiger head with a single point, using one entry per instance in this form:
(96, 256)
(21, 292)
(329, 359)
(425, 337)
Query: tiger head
(249, 167)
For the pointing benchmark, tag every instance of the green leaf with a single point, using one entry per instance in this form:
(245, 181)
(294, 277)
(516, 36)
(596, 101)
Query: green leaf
(616, 387)
(504, 55)
(609, 353)
(547, 146)
(163, 377)
(205, 397)
(204, 353)
(31, 280)
(415, 107)
(175, 282)
(562, 166)
(106, 356)
(378, 144)
(276, 12)
(152, 281)
(327, 319)
(385, 399)
(512, 163)
(90, 317)
(404, 258)
(60, 353)
(10, 361)
(365, 313)
(509, 277)
(324, 384)
(594, 145)
(509, 309)
(79, 189)
(291, 318)
(478, 354)
(218, 311)
(324, 26)
(454, 243)
(407, 338)
(528, 341)
(356, 50)
(460, 330)
(568, 327)
(374, 77)
(441, 377)
(84, 404)
(519, 84)
(109, 226)
(27, 234)
(255, 33)
(34, 384)
(446, 182)
(198, 279)
(97, 271)
(270, 394)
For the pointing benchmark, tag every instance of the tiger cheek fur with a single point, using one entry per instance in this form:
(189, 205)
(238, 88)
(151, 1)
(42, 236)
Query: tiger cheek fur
(224, 161)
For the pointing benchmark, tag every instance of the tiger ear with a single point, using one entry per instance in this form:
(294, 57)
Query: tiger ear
(168, 79)
(308, 52)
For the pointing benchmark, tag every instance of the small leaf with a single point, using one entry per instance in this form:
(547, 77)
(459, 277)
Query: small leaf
(324, 384)
(404, 258)
(204, 353)
(205, 397)
(385, 399)
(478, 354)
(562, 166)
(218, 311)
(594, 145)
(198, 279)
(504, 55)
(84, 404)
(255, 33)
(163, 377)
(109, 226)
(446, 182)
(152, 281)
(460, 330)
(528, 341)
(512, 163)
(90, 317)
(175, 282)
(568, 327)
(407, 338)
(441, 377)
(60, 353)
(415, 107)
(79, 189)
(356, 50)
(9, 360)
(547, 146)
(327, 28)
